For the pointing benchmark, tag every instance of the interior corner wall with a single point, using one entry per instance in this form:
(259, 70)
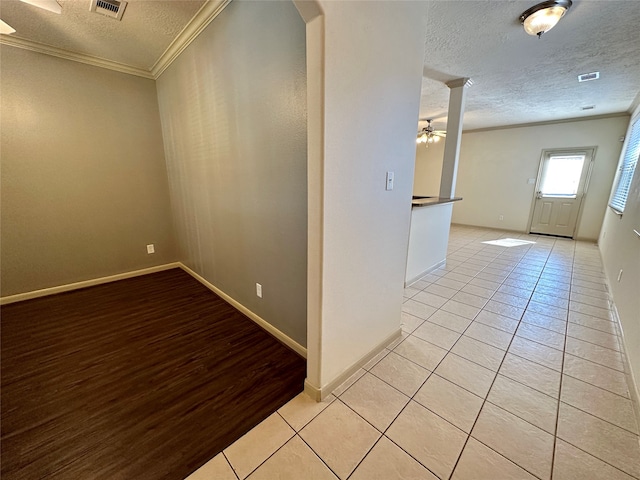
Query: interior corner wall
(495, 165)
(233, 112)
(84, 184)
(620, 249)
(373, 59)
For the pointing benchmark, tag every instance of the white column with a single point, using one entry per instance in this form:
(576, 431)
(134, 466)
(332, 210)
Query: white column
(454, 136)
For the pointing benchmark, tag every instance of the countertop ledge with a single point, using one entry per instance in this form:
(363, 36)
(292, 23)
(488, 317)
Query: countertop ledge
(427, 201)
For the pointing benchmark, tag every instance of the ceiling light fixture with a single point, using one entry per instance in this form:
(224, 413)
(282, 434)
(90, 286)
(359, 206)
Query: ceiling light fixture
(544, 16)
(428, 135)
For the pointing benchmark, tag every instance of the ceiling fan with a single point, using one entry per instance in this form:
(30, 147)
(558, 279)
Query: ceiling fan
(428, 135)
(50, 5)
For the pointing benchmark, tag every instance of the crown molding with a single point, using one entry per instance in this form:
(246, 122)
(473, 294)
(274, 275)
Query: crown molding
(75, 57)
(210, 10)
(548, 122)
(634, 104)
(459, 82)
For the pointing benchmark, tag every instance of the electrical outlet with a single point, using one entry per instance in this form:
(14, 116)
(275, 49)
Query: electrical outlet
(501, 217)
(259, 290)
(151, 248)
(620, 276)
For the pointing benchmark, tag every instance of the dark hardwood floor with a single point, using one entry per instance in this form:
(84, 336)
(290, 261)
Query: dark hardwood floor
(145, 378)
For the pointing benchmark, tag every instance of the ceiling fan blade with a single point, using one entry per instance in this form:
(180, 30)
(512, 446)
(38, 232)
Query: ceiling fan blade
(6, 29)
(50, 5)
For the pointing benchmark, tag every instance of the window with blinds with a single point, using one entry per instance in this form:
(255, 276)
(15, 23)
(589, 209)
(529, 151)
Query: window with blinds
(627, 167)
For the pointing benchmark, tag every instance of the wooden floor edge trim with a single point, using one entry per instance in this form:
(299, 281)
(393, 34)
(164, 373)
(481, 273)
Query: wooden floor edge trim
(291, 343)
(19, 297)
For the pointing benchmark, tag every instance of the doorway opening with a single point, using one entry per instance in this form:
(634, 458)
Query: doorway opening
(563, 180)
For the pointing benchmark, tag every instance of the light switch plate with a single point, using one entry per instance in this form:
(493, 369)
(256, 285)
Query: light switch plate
(389, 180)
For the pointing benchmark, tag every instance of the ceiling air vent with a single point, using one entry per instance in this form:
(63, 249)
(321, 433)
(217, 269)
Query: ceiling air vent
(109, 8)
(585, 77)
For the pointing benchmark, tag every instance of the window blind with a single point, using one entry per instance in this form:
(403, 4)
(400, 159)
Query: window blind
(627, 168)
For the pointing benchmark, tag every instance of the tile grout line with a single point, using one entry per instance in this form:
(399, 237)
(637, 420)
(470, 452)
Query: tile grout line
(383, 433)
(589, 413)
(484, 403)
(555, 432)
(231, 466)
(602, 420)
(424, 382)
(571, 287)
(366, 454)
(599, 459)
(316, 454)
(269, 456)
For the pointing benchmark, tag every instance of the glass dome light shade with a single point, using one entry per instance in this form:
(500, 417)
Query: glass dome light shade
(543, 20)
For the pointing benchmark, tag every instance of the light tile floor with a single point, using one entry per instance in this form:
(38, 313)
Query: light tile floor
(509, 367)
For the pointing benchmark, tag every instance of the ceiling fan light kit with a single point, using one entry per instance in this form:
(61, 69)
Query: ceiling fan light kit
(543, 17)
(428, 135)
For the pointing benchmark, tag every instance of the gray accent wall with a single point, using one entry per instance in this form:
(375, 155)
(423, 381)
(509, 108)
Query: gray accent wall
(233, 112)
(84, 183)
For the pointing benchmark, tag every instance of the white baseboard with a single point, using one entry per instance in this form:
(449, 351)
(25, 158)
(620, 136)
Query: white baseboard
(319, 394)
(145, 271)
(632, 385)
(295, 346)
(86, 283)
(419, 277)
(632, 382)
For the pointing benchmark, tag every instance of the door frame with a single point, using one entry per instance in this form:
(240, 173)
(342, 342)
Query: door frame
(589, 152)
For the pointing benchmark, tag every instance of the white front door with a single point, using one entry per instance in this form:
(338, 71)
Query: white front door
(560, 189)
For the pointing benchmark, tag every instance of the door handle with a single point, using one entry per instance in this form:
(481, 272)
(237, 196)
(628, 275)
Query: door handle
(538, 194)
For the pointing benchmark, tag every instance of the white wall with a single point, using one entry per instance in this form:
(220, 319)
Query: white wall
(620, 248)
(371, 57)
(495, 165)
(426, 181)
(428, 240)
(84, 184)
(233, 110)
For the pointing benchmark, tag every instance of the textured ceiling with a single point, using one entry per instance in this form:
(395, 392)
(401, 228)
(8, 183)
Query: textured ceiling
(517, 78)
(522, 79)
(147, 28)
